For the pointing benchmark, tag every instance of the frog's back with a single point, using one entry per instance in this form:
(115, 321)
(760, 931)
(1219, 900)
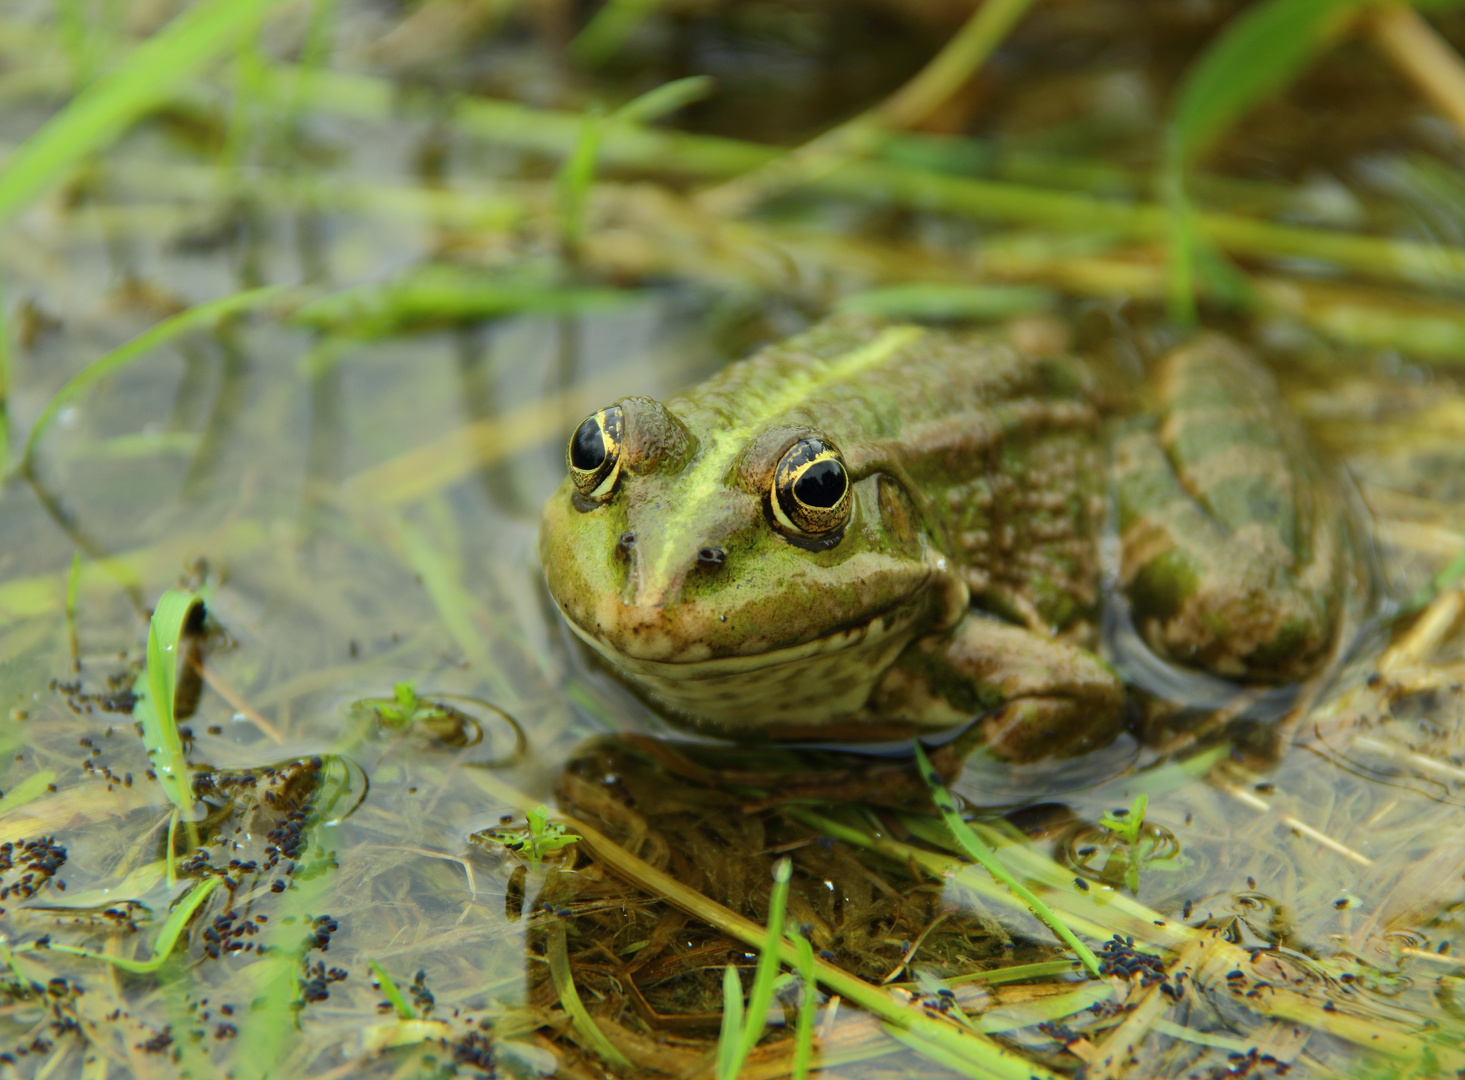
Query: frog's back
(997, 448)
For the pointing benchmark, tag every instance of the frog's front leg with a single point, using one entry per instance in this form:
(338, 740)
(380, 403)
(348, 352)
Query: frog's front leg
(1035, 697)
(1233, 544)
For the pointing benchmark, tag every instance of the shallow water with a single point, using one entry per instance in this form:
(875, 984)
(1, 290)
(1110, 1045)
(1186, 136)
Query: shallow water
(356, 500)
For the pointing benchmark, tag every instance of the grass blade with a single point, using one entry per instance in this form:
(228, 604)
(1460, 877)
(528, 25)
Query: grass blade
(124, 355)
(974, 847)
(762, 995)
(436, 295)
(28, 790)
(577, 173)
(564, 985)
(106, 108)
(4, 389)
(934, 84)
(167, 938)
(1257, 53)
(154, 689)
(808, 1002)
(391, 993)
(730, 1038)
(610, 27)
(939, 1054)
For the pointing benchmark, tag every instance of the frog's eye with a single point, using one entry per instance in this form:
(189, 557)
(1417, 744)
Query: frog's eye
(811, 489)
(594, 454)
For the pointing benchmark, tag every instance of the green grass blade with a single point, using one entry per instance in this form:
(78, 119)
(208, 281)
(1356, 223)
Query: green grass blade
(124, 355)
(964, 54)
(154, 689)
(808, 1003)
(939, 1054)
(391, 993)
(168, 933)
(762, 994)
(575, 177)
(974, 847)
(105, 109)
(438, 295)
(564, 984)
(28, 790)
(1255, 55)
(730, 1038)
(664, 99)
(608, 30)
(4, 391)
(577, 173)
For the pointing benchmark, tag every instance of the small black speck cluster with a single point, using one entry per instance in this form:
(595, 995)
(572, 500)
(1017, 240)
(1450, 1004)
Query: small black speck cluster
(1239, 1064)
(421, 995)
(116, 698)
(228, 933)
(287, 839)
(159, 1043)
(315, 983)
(320, 937)
(37, 860)
(1120, 957)
(476, 1051)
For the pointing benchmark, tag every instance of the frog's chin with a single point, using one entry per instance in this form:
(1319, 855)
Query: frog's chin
(806, 686)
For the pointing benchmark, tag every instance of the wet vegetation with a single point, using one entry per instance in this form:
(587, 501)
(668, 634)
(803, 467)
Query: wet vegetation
(302, 774)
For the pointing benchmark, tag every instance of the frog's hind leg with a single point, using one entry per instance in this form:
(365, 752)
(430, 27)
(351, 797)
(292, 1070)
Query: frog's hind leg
(1233, 543)
(1034, 697)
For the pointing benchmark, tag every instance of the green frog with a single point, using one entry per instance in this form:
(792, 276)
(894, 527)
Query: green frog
(879, 529)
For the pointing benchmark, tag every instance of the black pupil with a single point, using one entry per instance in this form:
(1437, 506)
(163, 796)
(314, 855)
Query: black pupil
(822, 484)
(587, 448)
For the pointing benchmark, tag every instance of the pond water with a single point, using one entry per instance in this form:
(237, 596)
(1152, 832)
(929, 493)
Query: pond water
(349, 473)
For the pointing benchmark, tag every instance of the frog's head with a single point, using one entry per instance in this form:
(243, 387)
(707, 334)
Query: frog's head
(737, 564)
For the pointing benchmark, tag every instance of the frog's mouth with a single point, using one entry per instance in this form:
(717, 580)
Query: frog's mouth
(812, 683)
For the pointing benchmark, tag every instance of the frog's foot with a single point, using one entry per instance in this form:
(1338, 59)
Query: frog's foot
(1035, 697)
(1233, 543)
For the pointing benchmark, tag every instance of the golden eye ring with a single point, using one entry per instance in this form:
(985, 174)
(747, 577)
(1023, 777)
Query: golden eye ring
(811, 494)
(593, 456)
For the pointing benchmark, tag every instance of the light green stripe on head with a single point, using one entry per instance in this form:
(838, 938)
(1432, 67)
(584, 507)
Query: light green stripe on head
(706, 474)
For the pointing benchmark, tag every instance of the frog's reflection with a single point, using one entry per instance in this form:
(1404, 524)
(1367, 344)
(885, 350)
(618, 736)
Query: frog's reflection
(709, 817)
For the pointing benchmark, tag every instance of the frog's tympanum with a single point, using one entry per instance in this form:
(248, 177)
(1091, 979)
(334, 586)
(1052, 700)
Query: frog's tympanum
(874, 530)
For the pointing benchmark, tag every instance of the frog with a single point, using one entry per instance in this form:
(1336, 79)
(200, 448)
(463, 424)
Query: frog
(879, 529)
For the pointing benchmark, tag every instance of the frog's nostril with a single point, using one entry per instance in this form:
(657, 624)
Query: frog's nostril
(625, 543)
(710, 558)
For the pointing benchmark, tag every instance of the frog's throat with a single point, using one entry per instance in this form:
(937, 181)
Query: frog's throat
(817, 682)
(703, 480)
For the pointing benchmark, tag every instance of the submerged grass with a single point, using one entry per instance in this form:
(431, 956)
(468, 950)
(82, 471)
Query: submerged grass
(168, 934)
(973, 846)
(123, 356)
(557, 954)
